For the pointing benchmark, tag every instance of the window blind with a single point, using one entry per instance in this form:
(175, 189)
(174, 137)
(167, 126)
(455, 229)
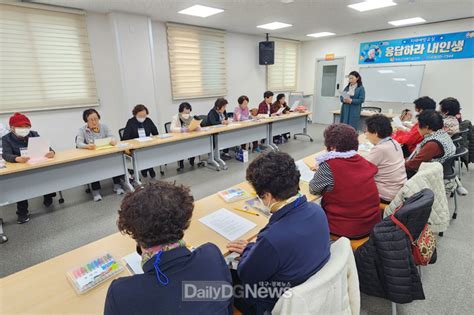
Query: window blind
(197, 61)
(45, 60)
(282, 75)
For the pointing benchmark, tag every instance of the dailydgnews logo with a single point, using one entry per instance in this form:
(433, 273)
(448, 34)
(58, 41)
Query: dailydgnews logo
(222, 291)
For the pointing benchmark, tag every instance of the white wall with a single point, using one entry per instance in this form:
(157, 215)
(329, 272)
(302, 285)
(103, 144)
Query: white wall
(244, 75)
(131, 67)
(441, 79)
(135, 59)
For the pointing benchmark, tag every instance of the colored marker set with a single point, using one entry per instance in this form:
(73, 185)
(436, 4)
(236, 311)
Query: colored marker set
(93, 273)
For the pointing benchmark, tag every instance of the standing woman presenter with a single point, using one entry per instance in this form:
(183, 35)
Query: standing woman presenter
(352, 99)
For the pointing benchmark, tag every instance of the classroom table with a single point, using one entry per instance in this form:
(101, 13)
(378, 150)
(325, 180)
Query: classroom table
(176, 146)
(210, 140)
(296, 123)
(364, 114)
(44, 288)
(68, 169)
(77, 167)
(239, 133)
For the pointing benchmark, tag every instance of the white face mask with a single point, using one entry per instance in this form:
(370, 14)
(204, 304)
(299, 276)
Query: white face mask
(22, 132)
(185, 116)
(265, 207)
(141, 120)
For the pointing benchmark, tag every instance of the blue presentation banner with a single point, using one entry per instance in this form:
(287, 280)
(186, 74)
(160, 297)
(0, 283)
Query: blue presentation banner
(424, 48)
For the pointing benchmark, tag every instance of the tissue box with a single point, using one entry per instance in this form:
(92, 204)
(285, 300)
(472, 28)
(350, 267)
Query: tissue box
(242, 156)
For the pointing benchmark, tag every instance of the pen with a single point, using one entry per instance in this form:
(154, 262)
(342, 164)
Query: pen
(246, 211)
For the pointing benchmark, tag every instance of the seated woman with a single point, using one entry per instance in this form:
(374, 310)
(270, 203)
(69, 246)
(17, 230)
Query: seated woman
(242, 112)
(156, 216)
(409, 139)
(345, 180)
(12, 145)
(295, 243)
(140, 126)
(274, 108)
(436, 146)
(406, 117)
(279, 103)
(450, 109)
(218, 116)
(180, 123)
(387, 155)
(85, 139)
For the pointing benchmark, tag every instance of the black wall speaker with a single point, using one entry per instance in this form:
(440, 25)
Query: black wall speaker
(266, 53)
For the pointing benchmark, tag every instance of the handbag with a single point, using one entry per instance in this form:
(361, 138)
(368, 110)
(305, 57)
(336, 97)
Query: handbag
(422, 248)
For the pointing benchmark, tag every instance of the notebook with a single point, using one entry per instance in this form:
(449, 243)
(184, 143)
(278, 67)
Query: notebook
(295, 104)
(366, 146)
(228, 224)
(144, 139)
(306, 173)
(38, 147)
(133, 262)
(102, 142)
(195, 124)
(280, 111)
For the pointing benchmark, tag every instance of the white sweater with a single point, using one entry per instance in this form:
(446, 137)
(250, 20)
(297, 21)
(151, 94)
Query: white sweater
(429, 175)
(332, 290)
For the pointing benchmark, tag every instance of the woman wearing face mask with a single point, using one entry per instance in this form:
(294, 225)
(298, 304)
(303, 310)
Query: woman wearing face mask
(139, 126)
(87, 134)
(450, 109)
(180, 123)
(352, 100)
(12, 144)
(295, 243)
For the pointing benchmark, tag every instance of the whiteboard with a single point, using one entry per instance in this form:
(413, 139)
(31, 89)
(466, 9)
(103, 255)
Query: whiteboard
(392, 84)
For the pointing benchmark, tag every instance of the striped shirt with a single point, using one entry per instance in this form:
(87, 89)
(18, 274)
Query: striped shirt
(323, 180)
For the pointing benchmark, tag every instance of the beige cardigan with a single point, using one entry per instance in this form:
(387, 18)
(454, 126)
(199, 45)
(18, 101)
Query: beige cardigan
(429, 175)
(332, 290)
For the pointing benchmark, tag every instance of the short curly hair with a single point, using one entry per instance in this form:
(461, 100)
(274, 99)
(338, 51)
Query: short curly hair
(139, 108)
(431, 119)
(450, 106)
(275, 173)
(156, 214)
(379, 124)
(341, 137)
(88, 112)
(424, 103)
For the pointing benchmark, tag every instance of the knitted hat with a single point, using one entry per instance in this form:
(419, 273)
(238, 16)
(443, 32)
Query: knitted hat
(18, 120)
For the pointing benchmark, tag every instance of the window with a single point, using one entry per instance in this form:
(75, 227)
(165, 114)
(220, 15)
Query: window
(281, 76)
(197, 61)
(328, 82)
(45, 60)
